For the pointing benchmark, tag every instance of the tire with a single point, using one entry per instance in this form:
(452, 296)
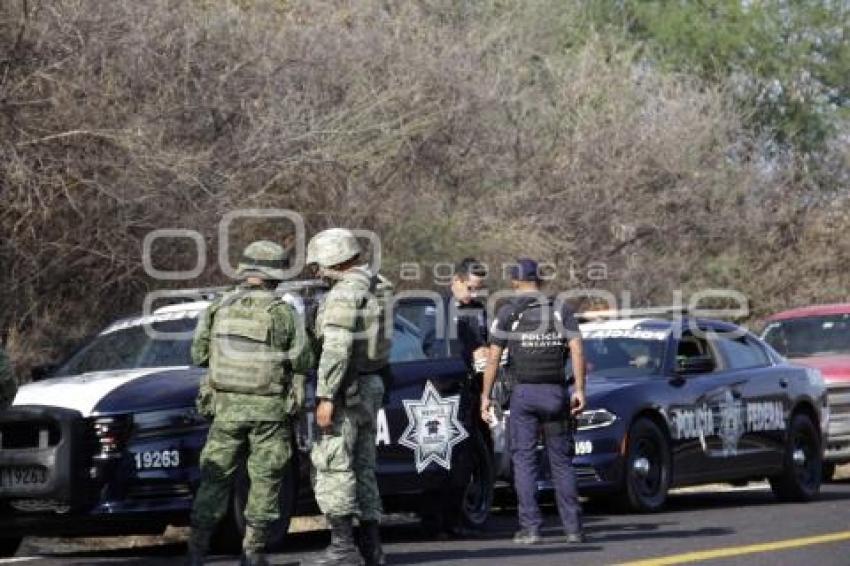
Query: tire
(9, 546)
(646, 478)
(478, 496)
(828, 471)
(228, 538)
(800, 479)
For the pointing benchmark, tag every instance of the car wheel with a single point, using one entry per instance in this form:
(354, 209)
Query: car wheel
(802, 471)
(647, 474)
(228, 538)
(9, 546)
(478, 495)
(828, 471)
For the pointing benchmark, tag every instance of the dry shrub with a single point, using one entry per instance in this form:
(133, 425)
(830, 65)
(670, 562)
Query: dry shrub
(450, 128)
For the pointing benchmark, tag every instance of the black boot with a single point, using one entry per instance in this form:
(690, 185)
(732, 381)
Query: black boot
(370, 543)
(254, 545)
(341, 551)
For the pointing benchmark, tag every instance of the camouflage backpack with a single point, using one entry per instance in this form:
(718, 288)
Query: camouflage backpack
(242, 359)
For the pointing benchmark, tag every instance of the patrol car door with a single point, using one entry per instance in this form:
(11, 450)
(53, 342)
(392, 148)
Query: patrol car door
(421, 427)
(704, 413)
(765, 398)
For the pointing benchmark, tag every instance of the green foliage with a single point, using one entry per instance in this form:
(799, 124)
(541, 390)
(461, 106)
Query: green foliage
(788, 62)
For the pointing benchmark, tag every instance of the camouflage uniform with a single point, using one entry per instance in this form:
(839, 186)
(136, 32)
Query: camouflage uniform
(343, 458)
(8, 387)
(254, 422)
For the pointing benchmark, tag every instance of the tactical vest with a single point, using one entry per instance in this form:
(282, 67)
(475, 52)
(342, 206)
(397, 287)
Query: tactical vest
(242, 359)
(537, 350)
(372, 296)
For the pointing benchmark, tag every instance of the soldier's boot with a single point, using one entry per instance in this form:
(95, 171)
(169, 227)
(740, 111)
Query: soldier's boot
(254, 546)
(370, 543)
(199, 545)
(341, 551)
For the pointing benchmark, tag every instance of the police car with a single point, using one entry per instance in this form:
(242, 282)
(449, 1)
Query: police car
(110, 442)
(678, 400)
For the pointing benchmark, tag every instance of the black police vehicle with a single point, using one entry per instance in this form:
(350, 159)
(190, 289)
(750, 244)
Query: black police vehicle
(110, 443)
(683, 401)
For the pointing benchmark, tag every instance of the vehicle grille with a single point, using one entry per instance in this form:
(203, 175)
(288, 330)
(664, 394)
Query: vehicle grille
(29, 434)
(586, 474)
(159, 490)
(839, 413)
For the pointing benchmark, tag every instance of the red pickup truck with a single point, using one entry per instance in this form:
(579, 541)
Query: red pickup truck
(819, 337)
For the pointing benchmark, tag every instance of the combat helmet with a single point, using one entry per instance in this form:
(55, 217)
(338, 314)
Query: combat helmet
(263, 259)
(332, 247)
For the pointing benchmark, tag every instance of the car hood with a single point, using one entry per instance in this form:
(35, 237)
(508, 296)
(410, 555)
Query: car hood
(599, 386)
(107, 392)
(833, 368)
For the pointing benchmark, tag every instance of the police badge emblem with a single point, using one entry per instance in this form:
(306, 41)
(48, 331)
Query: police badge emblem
(731, 423)
(433, 428)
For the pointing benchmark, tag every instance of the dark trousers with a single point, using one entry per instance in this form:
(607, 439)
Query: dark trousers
(533, 405)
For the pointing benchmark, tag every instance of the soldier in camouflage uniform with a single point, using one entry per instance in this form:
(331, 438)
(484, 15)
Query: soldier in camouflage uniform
(8, 387)
(253, 345)
(349, 393)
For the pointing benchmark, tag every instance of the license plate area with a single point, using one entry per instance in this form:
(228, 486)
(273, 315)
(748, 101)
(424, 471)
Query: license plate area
(22, 478)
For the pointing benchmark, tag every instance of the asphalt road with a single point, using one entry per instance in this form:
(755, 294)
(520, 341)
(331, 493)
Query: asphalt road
(734, 526)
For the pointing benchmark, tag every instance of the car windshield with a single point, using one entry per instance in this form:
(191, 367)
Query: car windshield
(129, 346)
(630, 353)
(810, 336)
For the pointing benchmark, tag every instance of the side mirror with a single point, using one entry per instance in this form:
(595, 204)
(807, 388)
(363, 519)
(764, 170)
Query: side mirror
(43, 371)
(694, 365)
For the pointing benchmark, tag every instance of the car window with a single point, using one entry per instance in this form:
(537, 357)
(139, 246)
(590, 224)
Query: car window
(415, 333)
(742, 352)
(623, 353)
(132, 347)
(810, 336)
(695, 346)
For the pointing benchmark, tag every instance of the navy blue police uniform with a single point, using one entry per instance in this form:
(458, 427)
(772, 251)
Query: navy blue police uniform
(537, 337)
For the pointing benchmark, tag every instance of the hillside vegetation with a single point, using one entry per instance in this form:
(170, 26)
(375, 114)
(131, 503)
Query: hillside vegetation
(585, 134)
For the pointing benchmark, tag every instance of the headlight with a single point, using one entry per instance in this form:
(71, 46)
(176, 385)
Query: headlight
(595, 418)
(112, 434)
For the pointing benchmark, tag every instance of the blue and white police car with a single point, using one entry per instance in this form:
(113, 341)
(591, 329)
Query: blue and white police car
(110, 442)
(677, 401)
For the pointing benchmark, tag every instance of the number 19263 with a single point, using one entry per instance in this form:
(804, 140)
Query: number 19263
(157, 459)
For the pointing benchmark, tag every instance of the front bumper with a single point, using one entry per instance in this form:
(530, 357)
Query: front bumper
(838, 437)
(51, 440)
(597, 463)
(85, 492)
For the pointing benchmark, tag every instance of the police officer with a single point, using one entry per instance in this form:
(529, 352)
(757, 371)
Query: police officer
(349, 391)
(539, 337)
(251, 341)
(8, 387)
(469, 312)
(443, 498)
